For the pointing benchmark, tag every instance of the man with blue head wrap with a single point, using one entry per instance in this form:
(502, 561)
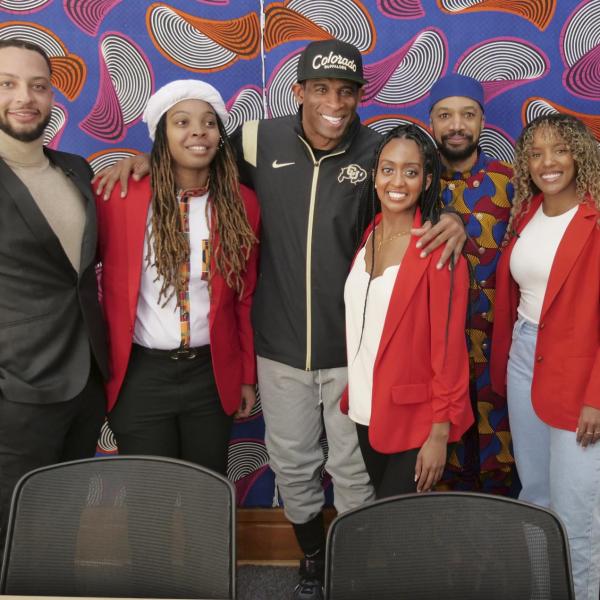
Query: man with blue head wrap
(478, 187)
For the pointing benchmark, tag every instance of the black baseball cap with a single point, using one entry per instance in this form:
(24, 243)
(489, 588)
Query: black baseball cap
(332, 59)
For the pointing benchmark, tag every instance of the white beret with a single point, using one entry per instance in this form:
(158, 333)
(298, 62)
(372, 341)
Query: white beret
(176, 91)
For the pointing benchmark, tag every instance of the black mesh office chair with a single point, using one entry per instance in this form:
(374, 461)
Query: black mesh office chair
(130, 526)
(448, 546)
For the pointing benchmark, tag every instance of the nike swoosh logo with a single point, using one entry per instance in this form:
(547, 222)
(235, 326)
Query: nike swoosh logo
(278, 165)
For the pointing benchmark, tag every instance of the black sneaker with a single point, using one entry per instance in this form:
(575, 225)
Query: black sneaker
(310, 586)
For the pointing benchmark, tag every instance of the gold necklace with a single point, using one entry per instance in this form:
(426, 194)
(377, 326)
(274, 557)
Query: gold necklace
(383, 241)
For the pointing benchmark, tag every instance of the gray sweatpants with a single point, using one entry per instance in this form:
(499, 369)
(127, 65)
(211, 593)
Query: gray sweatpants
(296, 404)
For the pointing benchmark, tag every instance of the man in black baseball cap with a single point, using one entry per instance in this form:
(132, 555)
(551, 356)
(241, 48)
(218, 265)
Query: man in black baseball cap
(329, 89)
(332, 59)
(309, 183)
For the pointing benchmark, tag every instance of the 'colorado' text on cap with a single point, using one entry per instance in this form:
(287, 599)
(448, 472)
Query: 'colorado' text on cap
(333, 61)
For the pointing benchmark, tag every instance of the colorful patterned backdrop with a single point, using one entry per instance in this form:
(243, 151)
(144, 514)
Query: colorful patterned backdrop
(533, 57)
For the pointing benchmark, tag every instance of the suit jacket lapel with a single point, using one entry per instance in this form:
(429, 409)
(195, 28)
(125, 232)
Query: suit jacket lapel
(568, 251)
(90, 233)
(17, 192)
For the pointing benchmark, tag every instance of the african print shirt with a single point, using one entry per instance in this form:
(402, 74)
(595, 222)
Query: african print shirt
(483, 198)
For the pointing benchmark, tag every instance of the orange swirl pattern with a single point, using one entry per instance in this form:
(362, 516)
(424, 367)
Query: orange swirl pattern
(240, 36)
(68, 74)
(69, 71)
(538, 12)
(285, 25)
(311, 20)
(105, 158)
(536, 106)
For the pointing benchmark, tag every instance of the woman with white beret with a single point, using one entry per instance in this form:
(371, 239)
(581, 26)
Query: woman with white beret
(179, 263)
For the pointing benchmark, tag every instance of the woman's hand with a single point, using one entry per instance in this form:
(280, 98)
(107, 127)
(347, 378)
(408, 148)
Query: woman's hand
(588, 428)
(248, 401)
(431, 460)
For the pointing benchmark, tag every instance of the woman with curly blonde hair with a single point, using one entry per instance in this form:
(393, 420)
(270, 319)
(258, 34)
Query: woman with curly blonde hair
(548, 295)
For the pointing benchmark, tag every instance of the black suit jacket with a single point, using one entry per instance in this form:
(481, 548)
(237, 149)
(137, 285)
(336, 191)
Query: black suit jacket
(49, 314)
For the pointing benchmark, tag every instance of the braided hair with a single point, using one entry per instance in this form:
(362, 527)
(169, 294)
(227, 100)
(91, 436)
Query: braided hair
(170, 244)
(429, 201)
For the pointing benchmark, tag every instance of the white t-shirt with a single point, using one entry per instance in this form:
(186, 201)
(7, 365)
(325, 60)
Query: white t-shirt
(159, 327)
(532, 257)
(361, 360)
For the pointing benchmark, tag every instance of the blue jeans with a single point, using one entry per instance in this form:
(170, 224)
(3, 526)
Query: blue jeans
(555, 471)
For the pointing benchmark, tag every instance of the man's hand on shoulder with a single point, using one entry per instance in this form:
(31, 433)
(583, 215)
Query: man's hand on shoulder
(449, 230)
(135, 166)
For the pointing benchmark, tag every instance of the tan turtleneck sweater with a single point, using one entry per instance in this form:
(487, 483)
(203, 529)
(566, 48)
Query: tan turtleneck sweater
(55, 194)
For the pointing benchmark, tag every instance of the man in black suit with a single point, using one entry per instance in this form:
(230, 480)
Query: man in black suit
(52, 337)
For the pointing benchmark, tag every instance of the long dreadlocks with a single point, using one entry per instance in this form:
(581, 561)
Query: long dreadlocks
(227, 212)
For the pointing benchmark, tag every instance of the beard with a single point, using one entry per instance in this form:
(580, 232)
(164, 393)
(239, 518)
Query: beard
(451, 154)
(25, 136)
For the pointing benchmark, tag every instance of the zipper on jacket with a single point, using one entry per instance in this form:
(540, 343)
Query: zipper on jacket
(309, 232)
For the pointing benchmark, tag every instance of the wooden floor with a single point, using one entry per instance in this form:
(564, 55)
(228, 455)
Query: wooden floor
(265, 536)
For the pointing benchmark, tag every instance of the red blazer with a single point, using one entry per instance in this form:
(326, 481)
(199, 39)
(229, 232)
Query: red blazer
(566, 374)
(418, 378)
(121, 231)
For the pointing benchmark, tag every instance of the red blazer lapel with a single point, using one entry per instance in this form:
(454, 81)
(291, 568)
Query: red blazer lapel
(409, 276)
(411, 271)
(504, 263)
(569, 249)
(136, 214)
(535, 204)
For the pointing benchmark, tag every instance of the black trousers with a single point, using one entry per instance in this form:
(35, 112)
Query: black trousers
(37, 435)
(171, 408)
(391, 474)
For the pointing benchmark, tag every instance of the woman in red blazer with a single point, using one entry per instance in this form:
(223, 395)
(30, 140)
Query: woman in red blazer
(179, 261)
(408, 369)
(546, 349)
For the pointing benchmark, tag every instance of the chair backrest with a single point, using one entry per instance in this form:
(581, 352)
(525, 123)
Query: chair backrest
(128, 526)
(448, 545)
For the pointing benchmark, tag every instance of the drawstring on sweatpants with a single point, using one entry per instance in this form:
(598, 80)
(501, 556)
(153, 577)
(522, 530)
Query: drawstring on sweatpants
(320, 387)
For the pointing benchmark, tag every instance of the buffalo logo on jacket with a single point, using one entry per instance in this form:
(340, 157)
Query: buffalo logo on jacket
(353, 173)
